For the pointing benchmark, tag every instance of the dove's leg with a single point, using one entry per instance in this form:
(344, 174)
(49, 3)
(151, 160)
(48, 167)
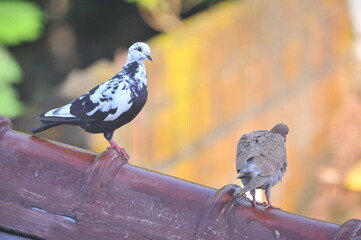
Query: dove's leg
(268, 196)
(240, 191)
(119, 149)
(254, 202)
(253, 193)
(243, 194)
(251, 185)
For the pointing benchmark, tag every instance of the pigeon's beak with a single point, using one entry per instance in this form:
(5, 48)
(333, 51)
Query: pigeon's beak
(149, 57)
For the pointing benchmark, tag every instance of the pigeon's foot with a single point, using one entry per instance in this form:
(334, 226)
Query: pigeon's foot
(125, 154)
(119, 149)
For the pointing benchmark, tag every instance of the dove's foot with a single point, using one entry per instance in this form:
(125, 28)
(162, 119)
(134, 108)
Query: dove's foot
(261, 203)
(254, 202)
(270, 206)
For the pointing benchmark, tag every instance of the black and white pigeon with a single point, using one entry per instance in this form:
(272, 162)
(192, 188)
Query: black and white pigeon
(109, 105)
(261, 161)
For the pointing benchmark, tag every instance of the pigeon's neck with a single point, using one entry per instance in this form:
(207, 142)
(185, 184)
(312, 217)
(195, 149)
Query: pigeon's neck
(141, 75)
(136, 71)
(131, 59)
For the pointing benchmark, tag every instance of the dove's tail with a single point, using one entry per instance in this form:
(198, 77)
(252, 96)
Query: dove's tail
(254, 183)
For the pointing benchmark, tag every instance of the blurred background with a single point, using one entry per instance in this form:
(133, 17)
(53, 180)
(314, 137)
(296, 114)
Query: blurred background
(220, 69)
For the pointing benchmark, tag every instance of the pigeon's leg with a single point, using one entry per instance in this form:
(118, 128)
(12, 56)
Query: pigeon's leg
(109, 136)
(268, 196)
(119, 149)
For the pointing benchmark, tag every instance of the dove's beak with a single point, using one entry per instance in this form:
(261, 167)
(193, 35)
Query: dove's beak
(150, 58)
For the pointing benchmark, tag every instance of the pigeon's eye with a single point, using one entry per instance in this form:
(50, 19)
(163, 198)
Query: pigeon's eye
(139, 49)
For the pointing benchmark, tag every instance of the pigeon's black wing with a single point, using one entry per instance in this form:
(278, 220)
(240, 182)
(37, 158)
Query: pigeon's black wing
(105, 102)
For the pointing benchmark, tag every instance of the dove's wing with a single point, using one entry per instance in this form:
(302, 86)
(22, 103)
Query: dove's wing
(265, 150)
(248, 148)
(273, 154)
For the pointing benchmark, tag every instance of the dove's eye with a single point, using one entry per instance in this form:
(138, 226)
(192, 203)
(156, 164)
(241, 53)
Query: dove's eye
(139, 49)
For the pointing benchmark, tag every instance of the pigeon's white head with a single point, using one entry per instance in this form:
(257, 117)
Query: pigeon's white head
(138, 52)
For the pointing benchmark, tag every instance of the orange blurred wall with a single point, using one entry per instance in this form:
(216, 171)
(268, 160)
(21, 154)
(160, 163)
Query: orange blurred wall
(238, 67)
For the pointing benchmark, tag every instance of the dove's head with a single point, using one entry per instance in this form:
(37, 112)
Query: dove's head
(280, 129)
(138, 52)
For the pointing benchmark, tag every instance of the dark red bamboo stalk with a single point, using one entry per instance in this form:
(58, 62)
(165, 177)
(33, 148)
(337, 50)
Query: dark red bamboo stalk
(50, 190)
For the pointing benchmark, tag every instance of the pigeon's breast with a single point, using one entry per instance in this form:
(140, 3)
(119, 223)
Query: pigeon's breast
(138, 100)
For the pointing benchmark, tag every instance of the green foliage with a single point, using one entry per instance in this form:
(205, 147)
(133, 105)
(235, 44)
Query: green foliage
(148, 4)
(19, 21)
(10, 106)
(10, 72)
(155, 4)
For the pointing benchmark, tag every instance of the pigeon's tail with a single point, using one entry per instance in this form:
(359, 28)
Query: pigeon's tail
(46, 125)
(49, 124)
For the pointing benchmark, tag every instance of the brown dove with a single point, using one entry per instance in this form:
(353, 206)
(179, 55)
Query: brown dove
(261, 161)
